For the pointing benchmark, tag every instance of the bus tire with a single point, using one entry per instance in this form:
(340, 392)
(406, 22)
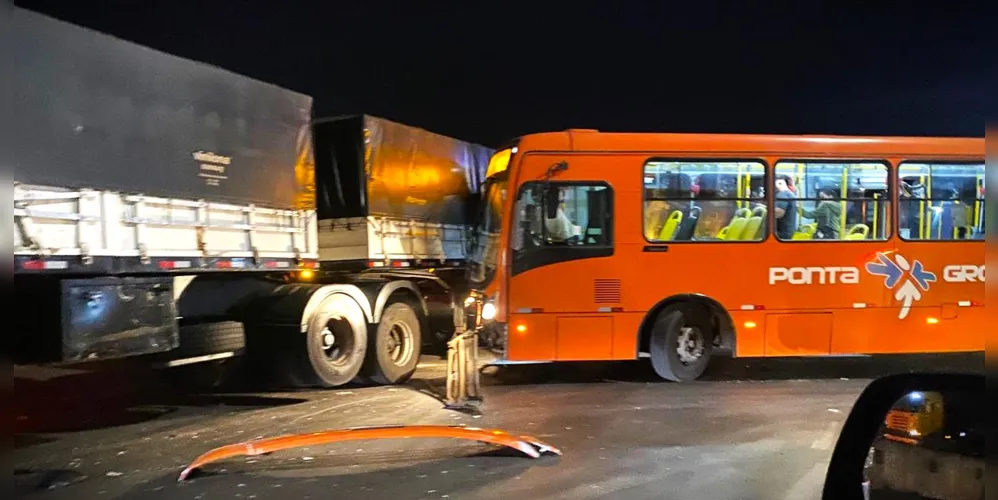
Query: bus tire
(676, 331)
(332, 351)
(394, 348)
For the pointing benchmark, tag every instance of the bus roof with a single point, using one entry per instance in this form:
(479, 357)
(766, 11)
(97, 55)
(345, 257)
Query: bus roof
(756, 144)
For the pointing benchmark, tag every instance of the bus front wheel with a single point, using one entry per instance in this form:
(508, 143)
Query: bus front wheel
(681, 345)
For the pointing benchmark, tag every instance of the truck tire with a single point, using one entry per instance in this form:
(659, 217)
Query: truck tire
(394, 348)
(332, 351)
(210, 338)
(680, 345)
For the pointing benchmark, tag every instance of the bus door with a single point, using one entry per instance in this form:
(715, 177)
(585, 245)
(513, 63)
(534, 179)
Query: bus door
(562, 288)
(943, 245)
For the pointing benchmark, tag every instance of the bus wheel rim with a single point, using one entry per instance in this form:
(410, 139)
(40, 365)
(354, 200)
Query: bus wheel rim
(689, 345)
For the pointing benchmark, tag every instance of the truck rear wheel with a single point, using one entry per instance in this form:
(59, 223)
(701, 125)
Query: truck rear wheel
(394, 349)
(681, 345)
(334, 346)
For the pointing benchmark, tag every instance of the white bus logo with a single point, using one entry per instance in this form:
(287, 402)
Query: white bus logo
(814, 275)
(963, 274)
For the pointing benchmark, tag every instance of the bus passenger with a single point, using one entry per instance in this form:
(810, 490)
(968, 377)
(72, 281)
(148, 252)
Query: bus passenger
(963, 216)
(785, 209)
(827, 217)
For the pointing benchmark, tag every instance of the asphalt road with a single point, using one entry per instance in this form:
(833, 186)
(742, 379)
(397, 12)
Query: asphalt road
(751, 430)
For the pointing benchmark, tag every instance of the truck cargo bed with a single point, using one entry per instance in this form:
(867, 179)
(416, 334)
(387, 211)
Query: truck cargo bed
(106, 232)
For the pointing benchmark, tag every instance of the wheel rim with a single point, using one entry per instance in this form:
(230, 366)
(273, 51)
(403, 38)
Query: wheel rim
(336, 341)
(690, 345)
(399, 343)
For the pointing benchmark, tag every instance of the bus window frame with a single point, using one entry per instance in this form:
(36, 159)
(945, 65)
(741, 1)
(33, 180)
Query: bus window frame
(698, 159)
(897, 196)
(892, 226)
(550, 255)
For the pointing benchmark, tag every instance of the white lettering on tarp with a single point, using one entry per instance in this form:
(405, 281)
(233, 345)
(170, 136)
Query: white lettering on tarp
(963, 274)
(212, 167)
(209, 157)
(814, 275)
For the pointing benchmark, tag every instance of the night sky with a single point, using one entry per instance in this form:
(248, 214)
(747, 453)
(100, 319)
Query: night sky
(495, 70)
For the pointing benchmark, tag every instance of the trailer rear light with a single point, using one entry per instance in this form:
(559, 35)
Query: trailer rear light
(44, 265)
(521, 328)
(34, 265)
(750, 324)
(932, 321)
(174, 264)
(752, 307)
(400, 263)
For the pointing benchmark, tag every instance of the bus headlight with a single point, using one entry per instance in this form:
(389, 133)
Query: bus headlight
(488, 311)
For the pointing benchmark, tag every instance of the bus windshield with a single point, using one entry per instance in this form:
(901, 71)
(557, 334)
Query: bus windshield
(484, 255)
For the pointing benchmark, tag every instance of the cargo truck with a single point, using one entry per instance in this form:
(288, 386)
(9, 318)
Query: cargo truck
(173, 210)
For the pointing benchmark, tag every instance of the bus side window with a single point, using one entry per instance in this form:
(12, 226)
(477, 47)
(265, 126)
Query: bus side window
(690, 200)
(941, 202)
(832, 201)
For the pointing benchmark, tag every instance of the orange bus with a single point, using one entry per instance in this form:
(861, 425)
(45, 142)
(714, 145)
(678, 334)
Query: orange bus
(678, 247)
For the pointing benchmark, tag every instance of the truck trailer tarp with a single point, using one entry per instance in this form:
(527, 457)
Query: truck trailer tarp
(93, 111)
(369, 166)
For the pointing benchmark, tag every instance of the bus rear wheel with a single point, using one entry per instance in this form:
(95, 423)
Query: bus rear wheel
(681, 345)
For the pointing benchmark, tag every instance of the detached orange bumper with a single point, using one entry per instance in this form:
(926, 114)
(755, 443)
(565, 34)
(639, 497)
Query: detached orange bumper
(530, 446)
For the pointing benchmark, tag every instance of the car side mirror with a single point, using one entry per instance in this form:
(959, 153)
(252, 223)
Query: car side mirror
(912, 436)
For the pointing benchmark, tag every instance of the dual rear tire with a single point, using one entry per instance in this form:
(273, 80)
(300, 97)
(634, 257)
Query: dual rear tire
(339, 347)
(394, 346)
(332, 350)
